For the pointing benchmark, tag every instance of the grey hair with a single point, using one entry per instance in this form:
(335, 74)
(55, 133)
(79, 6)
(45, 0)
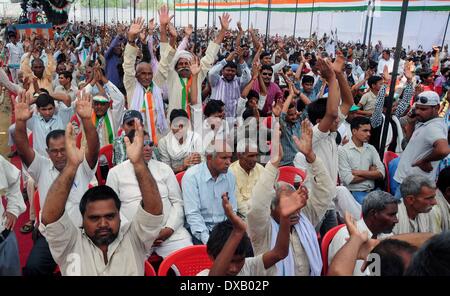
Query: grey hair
(412, 185)
(280, 187)
(377, 200)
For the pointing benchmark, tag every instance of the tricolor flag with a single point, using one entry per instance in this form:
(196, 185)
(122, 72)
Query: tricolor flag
(44, 30)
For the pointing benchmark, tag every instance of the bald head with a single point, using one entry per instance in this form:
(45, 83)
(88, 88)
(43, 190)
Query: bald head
(144, 74)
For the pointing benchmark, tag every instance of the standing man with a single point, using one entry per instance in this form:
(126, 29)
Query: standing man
(14, 53)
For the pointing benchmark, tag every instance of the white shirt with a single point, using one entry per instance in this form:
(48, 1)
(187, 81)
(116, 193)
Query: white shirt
(253, 266)
(382, 62)
(325, 147)
(420, 145)
(15, 53)
(339, 241)
(10, 183)
(77, 255)
(122, 179)
(44, 174)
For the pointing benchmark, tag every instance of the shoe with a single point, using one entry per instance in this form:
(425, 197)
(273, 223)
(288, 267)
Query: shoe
(12, 154)
(27, 227)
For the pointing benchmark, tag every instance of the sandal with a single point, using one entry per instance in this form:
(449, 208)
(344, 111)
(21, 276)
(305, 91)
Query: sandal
(27, 227)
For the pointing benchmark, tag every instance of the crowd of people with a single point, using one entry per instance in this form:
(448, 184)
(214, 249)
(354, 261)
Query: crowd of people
(142, 139)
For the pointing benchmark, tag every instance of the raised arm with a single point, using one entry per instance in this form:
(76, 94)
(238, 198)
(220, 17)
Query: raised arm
(22, 114)
(58, 193)
(195, 70)
(345, 91)
(326, 70)
(151, 199)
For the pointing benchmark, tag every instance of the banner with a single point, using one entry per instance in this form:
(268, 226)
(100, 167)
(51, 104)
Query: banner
(44, 30)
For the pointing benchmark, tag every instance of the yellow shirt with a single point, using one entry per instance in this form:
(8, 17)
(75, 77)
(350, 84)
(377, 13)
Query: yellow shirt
(244, 185)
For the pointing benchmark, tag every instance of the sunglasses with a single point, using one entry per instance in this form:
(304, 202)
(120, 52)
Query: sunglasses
(148, 143)
(422, 100)
(266, 74)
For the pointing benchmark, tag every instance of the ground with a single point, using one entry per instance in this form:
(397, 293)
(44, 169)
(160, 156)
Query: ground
(5, 122)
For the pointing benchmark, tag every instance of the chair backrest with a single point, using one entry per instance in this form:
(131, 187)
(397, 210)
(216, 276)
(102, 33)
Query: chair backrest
(30, 140)
(189, 261)
(179, 177)
(327, 238)
(388, 157)
(288, 173)
(106, 150)
(148, 269)
(36, 204)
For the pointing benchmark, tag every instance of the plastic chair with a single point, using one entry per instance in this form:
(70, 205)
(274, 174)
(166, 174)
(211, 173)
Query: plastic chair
(179, 177)
(288, 173)
(388, 157)
(327, 238)
(30, 140)
(189, 261)
(148, 269)
(106, 150)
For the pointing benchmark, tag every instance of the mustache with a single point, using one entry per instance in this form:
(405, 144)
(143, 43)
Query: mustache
(97, 231)
(184, 69)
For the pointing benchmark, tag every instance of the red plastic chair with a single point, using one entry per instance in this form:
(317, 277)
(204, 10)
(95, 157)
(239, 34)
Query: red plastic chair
(327, 238)
(36, 205)
(388, 157)
(106, 150)
(189, 261)
(148, 269)
(30, 140)
(288, 173)
(179, 177)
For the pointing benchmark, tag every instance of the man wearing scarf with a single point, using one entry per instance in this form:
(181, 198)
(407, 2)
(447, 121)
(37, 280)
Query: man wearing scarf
(143, 94)
(263, 218)
(174, 67)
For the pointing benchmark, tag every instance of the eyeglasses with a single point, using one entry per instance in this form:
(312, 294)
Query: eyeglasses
(266, 74)
(148, 143)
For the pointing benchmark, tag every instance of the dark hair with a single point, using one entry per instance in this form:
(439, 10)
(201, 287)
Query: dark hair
(253, 94)
(301, 106)
(264, 54)
(66, 74)
(433, 258)
(54, 134)
(219, 236)
(43, 90)
(230, 65)
(267, 68)
(37, 60)
(317, 110)
(102, 192)
(373, 80)
(443, 181)
(358, 121)
(307, 79)
(213, 106)
(44, 99)
(387, 51)
(247, 113)
(391, 261)
(178, 113)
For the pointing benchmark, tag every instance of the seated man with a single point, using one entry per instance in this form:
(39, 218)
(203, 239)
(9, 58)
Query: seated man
(119, 148)
(264, 215)
(379, 215)
(418, 198)
(229, 243)
(181, 147)
(123, 181)
(102, 247)
(441, 211)
(359, 162)
(203, 186)
(247, 172)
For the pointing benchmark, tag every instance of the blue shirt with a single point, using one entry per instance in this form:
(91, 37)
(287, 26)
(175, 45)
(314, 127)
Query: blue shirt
(288, 131)
(202, 196)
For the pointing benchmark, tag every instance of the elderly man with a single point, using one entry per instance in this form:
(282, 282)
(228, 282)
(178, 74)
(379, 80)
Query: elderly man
(379, 216)
(102, 246)
(247, 172)
(203, 186)
(174, 68)
(441, 211)
(418, 198)
(9, 250)
(123, 181)
(143, 95)
(264, 215)
(40, 74)
(428, 143)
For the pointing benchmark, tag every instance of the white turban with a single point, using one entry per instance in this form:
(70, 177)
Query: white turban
(180, 54)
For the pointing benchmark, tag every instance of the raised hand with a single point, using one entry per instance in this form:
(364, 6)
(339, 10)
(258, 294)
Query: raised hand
(304, 144)
(194, 65)
(188, 30)
(407, 71)
(22, 108)
(386, 75)
(326, 69)
(134, 150)
(240, 27)
(75, 156)
(84, 105)
(164, 18)
(291, 202)
(143, 36)
(339, 63)
(238, 224)
(172, 30)
(276, 154)
(225, 21)
(135, 28)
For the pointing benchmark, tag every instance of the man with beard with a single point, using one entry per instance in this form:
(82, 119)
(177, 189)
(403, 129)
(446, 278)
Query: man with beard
(44, 171)
(418, 198)
(122, 179)
(227, 87)
(102, 246)
(379, 216)
(428, 143)
(174, 67)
